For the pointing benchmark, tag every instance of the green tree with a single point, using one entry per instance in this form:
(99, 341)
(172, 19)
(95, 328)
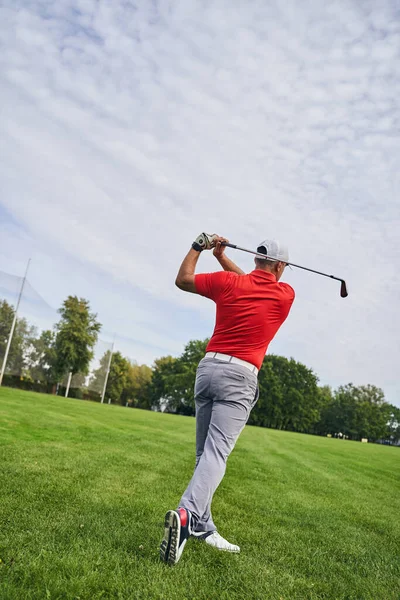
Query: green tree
(357, 412)
(289, 396)
(138, 387)
(24, 335)
(393, 424)
(270, 408)
(173, 379)
(42, 358)
(96, 381)
(6, 319)
(181, 390)
(76, 335)
(340, 415)
(372, 412)
(117, 379)
(162, 391)
(18, 358)
(326, 398)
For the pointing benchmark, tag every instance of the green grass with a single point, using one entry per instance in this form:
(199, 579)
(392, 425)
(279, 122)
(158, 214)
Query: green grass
(84, 488)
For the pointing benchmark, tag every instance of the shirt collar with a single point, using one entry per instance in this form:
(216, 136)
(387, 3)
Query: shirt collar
(264, 274)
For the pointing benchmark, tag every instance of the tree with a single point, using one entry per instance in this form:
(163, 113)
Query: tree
(183, 380)
(97, 379)
(325, 400)
(138, 391)
(117, 378)
(393, 424)
(6, 319)
(24, 334)
(173, 378)
(372, 412)
(161, 388)
(357, 412)
(289, 396)
(270, 408)
(76, 335)
(42, 358)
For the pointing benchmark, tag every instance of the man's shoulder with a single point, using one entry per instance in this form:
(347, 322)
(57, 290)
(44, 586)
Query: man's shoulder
(213, 284)
(286, 289)
(217, 275)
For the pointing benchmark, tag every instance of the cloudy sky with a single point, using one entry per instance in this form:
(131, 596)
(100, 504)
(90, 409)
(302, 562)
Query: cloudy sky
(127, 128)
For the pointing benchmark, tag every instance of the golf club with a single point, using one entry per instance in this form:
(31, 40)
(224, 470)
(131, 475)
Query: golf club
(343, 287)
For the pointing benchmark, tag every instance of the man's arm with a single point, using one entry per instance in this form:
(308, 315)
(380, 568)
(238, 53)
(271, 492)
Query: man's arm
(185, 278)
(226, 263)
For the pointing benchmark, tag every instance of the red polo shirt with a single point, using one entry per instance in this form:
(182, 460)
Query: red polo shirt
(250, 310)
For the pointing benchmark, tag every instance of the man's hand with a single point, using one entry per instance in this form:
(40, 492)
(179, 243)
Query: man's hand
(205, 241)
(226, 263)
(219, 248)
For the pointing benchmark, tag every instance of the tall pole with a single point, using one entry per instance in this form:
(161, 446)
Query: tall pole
(68, 384)
(10, 337)
(108, 371)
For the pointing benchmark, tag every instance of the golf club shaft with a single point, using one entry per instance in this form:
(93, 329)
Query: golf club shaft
(343, 290)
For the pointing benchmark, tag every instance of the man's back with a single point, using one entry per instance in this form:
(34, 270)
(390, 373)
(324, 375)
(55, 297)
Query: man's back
(250, 310)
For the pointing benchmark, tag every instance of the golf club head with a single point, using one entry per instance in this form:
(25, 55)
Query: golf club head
(343, 289)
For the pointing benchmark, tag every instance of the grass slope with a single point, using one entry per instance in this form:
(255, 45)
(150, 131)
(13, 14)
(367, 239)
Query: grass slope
(84, 488)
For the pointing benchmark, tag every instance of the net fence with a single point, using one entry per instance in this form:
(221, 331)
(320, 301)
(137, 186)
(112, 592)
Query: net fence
(28, 361)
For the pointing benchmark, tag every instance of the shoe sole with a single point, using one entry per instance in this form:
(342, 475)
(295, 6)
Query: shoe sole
(172, 533)
(225, 550)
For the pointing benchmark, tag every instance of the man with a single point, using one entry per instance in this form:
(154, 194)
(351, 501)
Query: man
(250, 310)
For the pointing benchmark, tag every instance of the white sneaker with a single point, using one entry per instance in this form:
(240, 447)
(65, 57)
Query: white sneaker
(216, 541)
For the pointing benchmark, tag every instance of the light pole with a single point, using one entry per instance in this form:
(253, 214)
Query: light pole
(10, 337)
(108, 371)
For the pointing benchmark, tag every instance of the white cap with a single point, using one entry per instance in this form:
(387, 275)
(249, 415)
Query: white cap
(274, 250)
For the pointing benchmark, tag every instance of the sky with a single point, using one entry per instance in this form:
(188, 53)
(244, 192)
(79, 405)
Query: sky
(128, 128)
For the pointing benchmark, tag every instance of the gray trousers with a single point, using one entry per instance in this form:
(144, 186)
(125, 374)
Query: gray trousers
(224, 393)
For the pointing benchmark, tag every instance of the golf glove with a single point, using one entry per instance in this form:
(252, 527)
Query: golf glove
(205, 241)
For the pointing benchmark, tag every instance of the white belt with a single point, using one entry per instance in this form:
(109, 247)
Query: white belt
(232, 359)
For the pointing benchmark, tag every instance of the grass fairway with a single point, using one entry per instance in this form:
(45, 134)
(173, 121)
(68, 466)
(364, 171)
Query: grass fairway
(84, 488)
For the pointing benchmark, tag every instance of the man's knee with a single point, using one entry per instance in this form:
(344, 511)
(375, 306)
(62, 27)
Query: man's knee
(221, 444)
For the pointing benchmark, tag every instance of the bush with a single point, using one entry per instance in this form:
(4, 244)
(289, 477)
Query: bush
(28, 384)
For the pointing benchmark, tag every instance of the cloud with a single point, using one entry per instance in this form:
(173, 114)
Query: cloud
(130, 127)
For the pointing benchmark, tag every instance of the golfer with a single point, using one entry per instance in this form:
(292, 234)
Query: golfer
(250, 310)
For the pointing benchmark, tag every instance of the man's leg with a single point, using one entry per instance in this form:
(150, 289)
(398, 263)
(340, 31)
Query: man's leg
(203, 417)
(180, 523)
(227, 421)
(203, 413)
(233, 390)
